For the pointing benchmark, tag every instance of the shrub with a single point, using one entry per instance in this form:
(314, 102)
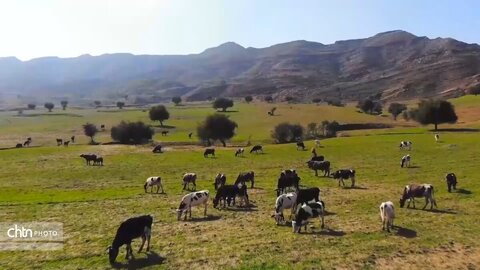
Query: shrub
(49, 106)
(222, 103)
(216, 127)
(176, 100)
(286, 132)
(132, 132)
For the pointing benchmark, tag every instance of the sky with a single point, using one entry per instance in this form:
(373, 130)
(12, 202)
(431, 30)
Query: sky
(67, 28)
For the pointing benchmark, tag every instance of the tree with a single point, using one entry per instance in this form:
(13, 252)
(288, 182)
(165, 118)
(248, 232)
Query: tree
(377, 107)
(434, 112)
(331, 129)
(406, 115)
(97, 103)
(131, 132)
(334, 102)
(286, 132)
(176, 100)
(248, 99)
(120, 104)
(216, 127)
(312, 129)
(316, 100)
(396, 109)
(222, 103)
(31, 106)
(159, 113)
(289, 99)
(268, 99)
(90, 130)
(474, 90)
(64, 104)
(49, 106)
(366, 105)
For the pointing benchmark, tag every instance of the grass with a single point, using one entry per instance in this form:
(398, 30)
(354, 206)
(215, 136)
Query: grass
(52, 183)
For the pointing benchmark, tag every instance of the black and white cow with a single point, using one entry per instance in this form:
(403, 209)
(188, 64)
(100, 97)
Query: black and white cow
(209, 151)
(190, 200)
(98, 161)
(239, 152)
(256, 149)
(300, 145)
(451, 179)
(405, 161)
(246, 177)
(130, 229)
(319, 165)
(284, 201)
(387, 214)
(153, 181)
(308, 195)
(220, 180)
(406, 145)
(228, 193)
(288, 178)
(308, 211)
(157, 149)
(342, 175)
(410, 192)
(189, 178)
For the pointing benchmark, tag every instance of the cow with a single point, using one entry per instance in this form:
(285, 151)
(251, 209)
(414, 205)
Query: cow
(89, 158)
(410, 192)
(228, 193)
(27, 142)
(18, 145)
(387, 214)
(306, 212)
(164, 132)
(437, 137)
(72, 139)
(130, 229)
(284, 201)
(102, 127)
(190, 200)
(451, 181)
(256, 148)
(405, 161)
(317, 143)
(308, 195)
(300, 145)
(190, 135)
(406, 145)
(59, 142)
(246, 177)
(98, 161)
(189, 178)
(65, 143)
(319, 165)
(239, 152)
(153, 181)
(288, 178)
(209, 151)
(342, 175)
(157, 149)
(220, 180)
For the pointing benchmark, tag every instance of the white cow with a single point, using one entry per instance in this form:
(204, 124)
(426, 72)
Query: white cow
(153, 181)
(317, 143)
(190, 200)
(284, 201)
(405, 161)
(387, 213)
(437, 137)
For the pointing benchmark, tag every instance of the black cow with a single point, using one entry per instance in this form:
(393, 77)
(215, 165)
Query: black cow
(89, 158)
(451, 181)
(220, 180)
(300, 145)
(209, 151)
(72, 139)
(410, 192)
(308, 195)
(18, 145)
(342, 175)
(130, 229)
(319, 165)
(288, 178)
(228, 193)
(157, 149)
(59, 142)
(256, 148)
(246, 177)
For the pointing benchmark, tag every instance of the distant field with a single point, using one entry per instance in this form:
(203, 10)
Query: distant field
(52, 183)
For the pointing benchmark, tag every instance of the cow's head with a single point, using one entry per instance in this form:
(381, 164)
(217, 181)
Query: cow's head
(112, 254)
(402, 202)
(215, 202)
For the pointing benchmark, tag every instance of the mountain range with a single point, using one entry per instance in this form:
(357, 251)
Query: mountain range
(394, 65)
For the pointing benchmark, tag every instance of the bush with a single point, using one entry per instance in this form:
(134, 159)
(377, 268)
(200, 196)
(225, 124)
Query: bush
(159, 113)
(334, 102)
(434, 112)
(31, 106)
(120, 104)
(330, 128)
(49, 106)
(396, 109)
(64, 104)
(222, 103)
(268, 99)
(132, 132)
(97, 103)
(216, 127)
(286, 132)
(248, 99)
(176, 100)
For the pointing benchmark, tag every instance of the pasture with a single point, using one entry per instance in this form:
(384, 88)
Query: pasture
(50, 183)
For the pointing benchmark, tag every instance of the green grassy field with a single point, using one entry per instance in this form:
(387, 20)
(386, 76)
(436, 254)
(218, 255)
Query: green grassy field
(50, 183)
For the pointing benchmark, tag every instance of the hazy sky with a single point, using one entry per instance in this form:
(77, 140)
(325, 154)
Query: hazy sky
(66, 28)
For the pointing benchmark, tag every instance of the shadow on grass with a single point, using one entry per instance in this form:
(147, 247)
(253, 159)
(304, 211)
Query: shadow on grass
(355, 187)
(227, 111)
(329, 232)
(327, 213)
(464, 191)
(157, 193)
(438, 211)
(204, 219)
(414, 167)
(152, 259)
(404, 232)
(456, 130)
(164, 126)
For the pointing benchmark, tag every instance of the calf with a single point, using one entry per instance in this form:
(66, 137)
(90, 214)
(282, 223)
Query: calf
(306, 212)
(189, 178)
(405, 161)
(98, 161)
(153, 181)
(130, 229)
(284, 201)
(387, 214)
(246, 177)
(410, 192)
(65, 143)
(89, 158)
(59, 142)
(406, 145)
(220, 180)
(157, 149)
(256, 148)
(190, 200)
(451, 181)
(228, 193)
(288, 178)
(300, 145)
(239, 152)
(342, 175)
(209, 151)
(319, 165)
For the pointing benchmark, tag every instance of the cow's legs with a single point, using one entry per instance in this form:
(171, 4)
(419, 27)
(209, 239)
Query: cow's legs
(353, 181)
(144, 237)
(427, 200)
(205, 212)
(323, 221)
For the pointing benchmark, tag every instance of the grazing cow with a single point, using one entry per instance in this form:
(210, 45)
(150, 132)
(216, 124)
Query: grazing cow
(72, 139)
(308, 195)
(190, 200)
(228, 193)
(451, 181)
(319, 165)
(157, 149)
(102, 127)
(153, 181)
(189, 178)
(410, 192)
(98, 161)
(164, 132)
(437, 137)
(220, 180)
(246, 177)
(405, 161)
(89, 158)
(65, 143)
(130, 229)
(256, 148)
(306, 212)
(387, 213)
(288, 178)
(239, 152)
(284, 201)
(317, 143)
(270, 113)
(342, 175)
(209, 151)
(406, 145)
(190, 135)
(27, 142)
(300, 145)
(18, 145)
(59, 142)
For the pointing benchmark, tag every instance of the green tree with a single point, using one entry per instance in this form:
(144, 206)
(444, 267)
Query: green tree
(120, 104)
(64, 104)
(222, 103)
(49, 106)
(176, 100)
(216, 127)
(131, 132)
(159, 113)
(286, 132)
(97, 103)
(90, 130)
(434, 112)
(396, 109)
(248, 99)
